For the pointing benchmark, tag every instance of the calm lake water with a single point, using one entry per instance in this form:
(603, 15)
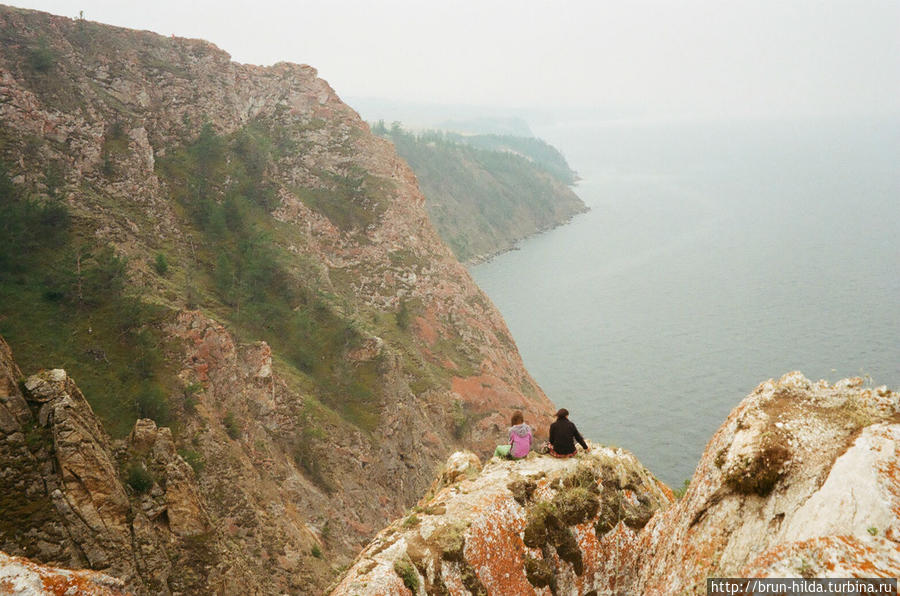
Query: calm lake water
(715, 256)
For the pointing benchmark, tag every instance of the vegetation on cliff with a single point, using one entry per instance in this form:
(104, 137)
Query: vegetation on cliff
(486, 192)
(66, 303)
(227, 251)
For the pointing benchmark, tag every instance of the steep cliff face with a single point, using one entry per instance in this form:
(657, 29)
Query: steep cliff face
(485, 193)
(275, 295)
(800, 481)
(133, 508)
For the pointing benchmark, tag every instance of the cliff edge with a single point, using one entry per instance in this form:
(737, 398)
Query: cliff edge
(800, 481)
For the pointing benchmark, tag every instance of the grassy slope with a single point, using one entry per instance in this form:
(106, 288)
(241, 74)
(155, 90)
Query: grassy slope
(238, 269)
(484, 193)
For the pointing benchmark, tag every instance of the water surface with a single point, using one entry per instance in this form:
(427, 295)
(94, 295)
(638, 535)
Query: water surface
(715, 256)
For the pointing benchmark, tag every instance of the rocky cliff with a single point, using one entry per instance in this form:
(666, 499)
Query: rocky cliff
(275, 348)
(800, 481)
(485, 193)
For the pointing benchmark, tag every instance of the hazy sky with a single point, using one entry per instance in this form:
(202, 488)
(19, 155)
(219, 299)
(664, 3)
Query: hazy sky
(708, 58)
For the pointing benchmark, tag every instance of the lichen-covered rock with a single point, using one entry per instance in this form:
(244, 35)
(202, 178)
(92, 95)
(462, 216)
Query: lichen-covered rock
(21, 577)
(518, 527)
(801, 480)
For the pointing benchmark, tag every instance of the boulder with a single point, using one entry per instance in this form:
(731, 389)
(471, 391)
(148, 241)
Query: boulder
(799, 480)
(21, 577)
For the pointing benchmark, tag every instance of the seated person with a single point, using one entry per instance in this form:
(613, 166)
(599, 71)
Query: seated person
(520, 437)
(563, 435)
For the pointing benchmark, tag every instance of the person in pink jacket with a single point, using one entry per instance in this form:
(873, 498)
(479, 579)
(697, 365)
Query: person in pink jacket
(520, 438)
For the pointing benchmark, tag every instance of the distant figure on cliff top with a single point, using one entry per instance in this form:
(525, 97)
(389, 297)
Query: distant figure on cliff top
(520, 437)
(563, 435)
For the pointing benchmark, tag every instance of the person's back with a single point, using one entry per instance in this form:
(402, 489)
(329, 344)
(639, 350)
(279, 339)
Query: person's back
(563, 435)
(520, 437)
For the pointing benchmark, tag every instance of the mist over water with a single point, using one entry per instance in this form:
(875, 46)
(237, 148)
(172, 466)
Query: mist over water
(715, 256)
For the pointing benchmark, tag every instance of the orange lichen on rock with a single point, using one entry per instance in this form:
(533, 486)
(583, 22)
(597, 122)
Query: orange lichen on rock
(494, 548)
(831, 556)
(516, 527)
(21, 577)
(827, 505)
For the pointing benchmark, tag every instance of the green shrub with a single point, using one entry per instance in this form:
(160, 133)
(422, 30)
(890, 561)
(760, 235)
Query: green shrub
(54, 178)
(316, 551)
(138, 478)
(190, 397)
(306, 457)
(160, 264)
(232, 426)
(151, 403)
(403, 315)
(404, 568)
(194, 459)
(461, 419)
(42, 58)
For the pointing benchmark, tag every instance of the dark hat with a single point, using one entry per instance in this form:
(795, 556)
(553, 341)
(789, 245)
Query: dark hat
(562, 413)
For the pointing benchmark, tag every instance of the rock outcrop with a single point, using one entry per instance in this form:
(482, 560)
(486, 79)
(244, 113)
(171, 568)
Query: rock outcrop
(538, 525)
(132, 508)
(800, 481)
(21, 577)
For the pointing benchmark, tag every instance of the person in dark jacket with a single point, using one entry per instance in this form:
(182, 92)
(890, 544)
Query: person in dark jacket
(563, 435)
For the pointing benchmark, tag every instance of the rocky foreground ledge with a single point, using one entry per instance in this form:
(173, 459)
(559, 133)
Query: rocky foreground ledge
(802, 480)
(21, 577)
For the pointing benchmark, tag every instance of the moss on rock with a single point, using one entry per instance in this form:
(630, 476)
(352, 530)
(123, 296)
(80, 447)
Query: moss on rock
(450, 541)
(582, 477)
(522, 490)
(541, 522)
(544, 526)
(760, 473)
(407, 572)
(576, 505)
(539, 572)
